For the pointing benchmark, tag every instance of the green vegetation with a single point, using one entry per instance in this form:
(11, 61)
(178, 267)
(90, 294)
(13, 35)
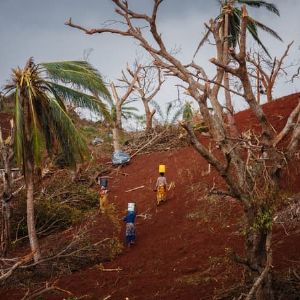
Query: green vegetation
(57, 206)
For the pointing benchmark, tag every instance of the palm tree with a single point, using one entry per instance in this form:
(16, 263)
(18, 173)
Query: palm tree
(230, 18)
(187, 112)
(171, 114)
(41, 118)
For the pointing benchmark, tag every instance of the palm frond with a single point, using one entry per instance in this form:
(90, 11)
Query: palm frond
(234, 27)
(79, 74)
(70, 140)
(187, 112)
(79, 99)
(42, 111)
(131, 115)
(253, 31)
(257, 3)
(158, 109)
(202, 41)
(129, 109)
(35, 134)
(177, 115)
(265, 28)
(19, 128)
(168, 109)
(50, 87)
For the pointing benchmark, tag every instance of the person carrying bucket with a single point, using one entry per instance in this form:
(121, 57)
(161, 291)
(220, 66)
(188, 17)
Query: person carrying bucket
(103, 195)
(130, 227)
(161, 185)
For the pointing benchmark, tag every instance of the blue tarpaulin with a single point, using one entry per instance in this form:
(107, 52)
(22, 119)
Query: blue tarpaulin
(120, 158)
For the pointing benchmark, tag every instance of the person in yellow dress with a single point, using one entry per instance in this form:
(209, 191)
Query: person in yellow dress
(161, 188)
(103, 199)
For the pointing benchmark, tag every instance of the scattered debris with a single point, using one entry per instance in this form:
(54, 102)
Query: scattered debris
(97, 141)
(101, 268)
(160, 139)
(171, 185)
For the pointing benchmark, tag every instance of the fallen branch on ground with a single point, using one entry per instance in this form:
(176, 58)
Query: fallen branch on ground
(171, 185)
(46, 289)
(64, 253)
(296, 274)
(8, 272)
(101, 268)
(144, 216)
(134, 189)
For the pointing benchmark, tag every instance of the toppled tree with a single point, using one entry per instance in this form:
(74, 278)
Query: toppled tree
(41, 118)
(251, 164)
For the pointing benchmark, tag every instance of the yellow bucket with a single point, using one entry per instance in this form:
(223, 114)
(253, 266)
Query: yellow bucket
(162, 169)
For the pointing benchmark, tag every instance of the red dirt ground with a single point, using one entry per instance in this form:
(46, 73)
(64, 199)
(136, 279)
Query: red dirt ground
(181, 249)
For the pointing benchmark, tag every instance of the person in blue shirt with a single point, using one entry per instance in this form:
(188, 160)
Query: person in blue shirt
(130, 228)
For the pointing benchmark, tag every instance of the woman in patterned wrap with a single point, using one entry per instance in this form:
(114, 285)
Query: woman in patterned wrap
(130, 228)
(161, 188)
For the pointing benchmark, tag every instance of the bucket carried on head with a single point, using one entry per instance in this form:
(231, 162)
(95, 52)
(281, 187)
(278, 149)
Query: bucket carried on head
(104, 182)
(131, 206)
(162, 169)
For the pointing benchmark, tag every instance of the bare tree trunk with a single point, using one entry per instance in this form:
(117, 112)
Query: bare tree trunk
(34, 245)
(149, 115)
(116, 138)
(269, 94)
(259, 257)
(228, 100)
(28, 166)
(258, 83)
(119, 115)
(230, 111)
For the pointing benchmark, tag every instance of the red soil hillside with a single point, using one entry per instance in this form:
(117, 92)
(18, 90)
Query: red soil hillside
(182, 245)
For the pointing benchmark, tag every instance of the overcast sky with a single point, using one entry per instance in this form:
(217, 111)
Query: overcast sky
(36, 28)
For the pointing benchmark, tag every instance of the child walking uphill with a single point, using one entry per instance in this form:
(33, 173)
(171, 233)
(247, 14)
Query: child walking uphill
(130, 227)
